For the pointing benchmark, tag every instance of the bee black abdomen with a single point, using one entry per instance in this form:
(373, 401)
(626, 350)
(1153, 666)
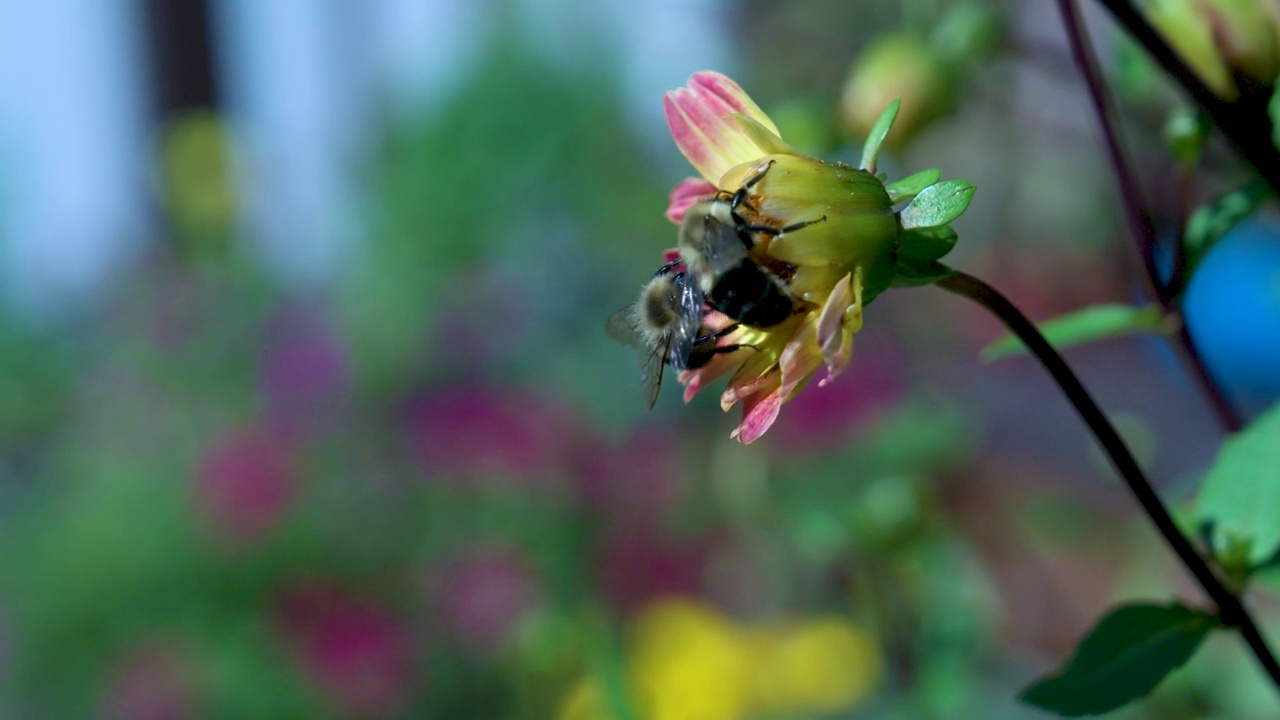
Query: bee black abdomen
(749, 294)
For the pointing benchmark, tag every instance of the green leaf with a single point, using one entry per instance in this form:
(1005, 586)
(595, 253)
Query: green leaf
(1273, 112)
(914, 273)
(1240, 498)
(937, 205)
(1096, 322)
(911, 185)
(1211, 221)
(1185, 134)
(926, 243)
(1122, 659)
(871, 149)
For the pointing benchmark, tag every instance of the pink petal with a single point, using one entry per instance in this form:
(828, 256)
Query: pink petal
(697, 118)
(835, 340)
(726, 96)
(693, 380)
(742, 389)
(686, 194)
(759, 412)
(720, 365)
(799, 359)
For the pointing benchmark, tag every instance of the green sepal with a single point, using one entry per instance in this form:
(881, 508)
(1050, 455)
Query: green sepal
(1211, 221)
(910, 272)
(1086, 325)
(1123, 658)
(926, 243)
(871, 148)
(911, 185)
(937, 205)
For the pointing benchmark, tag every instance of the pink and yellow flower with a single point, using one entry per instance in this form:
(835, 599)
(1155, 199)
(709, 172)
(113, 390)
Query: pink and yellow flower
(835, 265)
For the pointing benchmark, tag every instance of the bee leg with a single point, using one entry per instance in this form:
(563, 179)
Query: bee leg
(723, 331)
(796, 226)
(705, 339)
(668, 267)
(750, 182)
(775, 232)
(703, 355)
(739, 197)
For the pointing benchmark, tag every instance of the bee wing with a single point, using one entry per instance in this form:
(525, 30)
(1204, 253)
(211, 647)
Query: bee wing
(688, 322)
(651, 367)
(724, 247)
(623, 327)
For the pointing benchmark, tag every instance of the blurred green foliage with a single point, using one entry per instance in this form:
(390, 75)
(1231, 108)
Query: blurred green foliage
(430, 491)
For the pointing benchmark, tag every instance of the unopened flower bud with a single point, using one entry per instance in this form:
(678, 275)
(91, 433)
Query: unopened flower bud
(1227, 42)
(899, 65)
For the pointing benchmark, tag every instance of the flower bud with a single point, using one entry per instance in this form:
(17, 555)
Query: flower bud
(1226, 42)
(859, 227)
(827, 231)
(899, 65)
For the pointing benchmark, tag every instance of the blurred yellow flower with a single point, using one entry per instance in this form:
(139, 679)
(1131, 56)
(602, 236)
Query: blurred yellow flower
(820, 665)
(197, 176)
(586, 701)
(688, 662)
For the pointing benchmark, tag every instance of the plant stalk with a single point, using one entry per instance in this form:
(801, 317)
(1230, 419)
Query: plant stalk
(1231, 611)
(1137, 219)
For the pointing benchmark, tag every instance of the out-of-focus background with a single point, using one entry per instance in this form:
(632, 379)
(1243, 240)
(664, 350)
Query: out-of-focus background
(307, 411)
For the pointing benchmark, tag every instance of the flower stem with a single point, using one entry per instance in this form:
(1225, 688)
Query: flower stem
(1230, 610)
(1136, 217)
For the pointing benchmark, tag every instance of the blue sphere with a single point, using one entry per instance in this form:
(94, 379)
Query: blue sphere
(1232, 310)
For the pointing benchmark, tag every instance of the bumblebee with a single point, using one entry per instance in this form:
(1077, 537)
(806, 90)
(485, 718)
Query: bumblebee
(715, 243)
(666, 324)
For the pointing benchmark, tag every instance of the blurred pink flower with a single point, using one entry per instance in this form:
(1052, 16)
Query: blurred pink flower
(477, 432)
(643, 476)
(354, 652)
(245, 483)
(481, 596)
(483, 317)
(636, 564)
(304, 370)
(152, 681)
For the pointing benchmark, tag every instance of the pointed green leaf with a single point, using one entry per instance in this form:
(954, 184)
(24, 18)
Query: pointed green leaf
(871, 148)
(1240, 498)
(927, 243)
(911, 185)
(1096, 322)
(914, 273)
(1122, 659)
(1211, 221)
(937, 205)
